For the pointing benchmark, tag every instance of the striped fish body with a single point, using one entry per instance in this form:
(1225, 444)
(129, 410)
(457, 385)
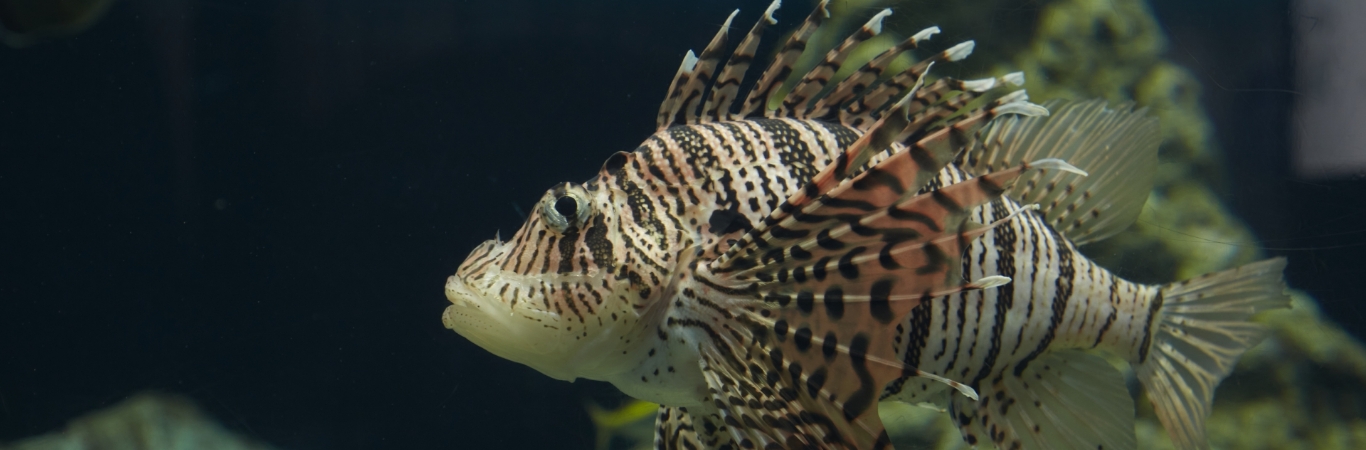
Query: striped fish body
(1058, 299)
(769, 275)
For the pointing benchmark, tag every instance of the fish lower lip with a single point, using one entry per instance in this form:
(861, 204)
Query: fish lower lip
(466, 312)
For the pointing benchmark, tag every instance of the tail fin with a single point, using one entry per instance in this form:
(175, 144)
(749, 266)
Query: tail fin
(1201, 331)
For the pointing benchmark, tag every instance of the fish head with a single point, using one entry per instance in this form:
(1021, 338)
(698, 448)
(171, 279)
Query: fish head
(557, 296)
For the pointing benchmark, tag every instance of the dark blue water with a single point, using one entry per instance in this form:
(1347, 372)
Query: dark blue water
(256, 203)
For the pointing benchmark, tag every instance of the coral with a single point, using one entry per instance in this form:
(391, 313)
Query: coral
(1113, 49)
(1182, 232)
(146, 421)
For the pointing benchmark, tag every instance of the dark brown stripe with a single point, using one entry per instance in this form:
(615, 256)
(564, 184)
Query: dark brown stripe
(1062, 292)
(1153, 310)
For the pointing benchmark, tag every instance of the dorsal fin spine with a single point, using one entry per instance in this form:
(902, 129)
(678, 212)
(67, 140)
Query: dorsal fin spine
(781, 67)
(855, 84)
(728, 83)
(866, 108)
(702, 73)
(669, 108)
(960, 51)
(796, 105)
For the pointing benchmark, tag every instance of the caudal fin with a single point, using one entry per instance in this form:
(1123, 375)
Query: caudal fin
(1202, 329)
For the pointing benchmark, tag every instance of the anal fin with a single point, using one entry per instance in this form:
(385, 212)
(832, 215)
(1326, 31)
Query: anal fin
(1060, 400)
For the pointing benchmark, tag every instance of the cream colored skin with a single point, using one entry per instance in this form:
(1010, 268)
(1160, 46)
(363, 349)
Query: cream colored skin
(514, 315)
(502, 297)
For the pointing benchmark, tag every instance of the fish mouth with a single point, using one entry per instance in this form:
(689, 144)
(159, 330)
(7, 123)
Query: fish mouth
(470, 314)
(508, 333)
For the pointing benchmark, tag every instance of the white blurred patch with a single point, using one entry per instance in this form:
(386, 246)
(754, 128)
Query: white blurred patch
(1330, 111)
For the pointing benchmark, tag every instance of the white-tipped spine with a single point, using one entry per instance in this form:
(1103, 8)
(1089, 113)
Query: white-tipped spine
(1057, 164)
(874, 24)
(1017, 96)
(1022, 108)
(960, 51)
(981, 85)
(925, 34)
(689, 61)
(1014, 78)
(990, 282)
(768, 13)
(726, 26)
(964, 389)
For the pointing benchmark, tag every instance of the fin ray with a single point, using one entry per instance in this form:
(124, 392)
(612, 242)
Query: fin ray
(700, 78)
(925, 152)
(768, 399)
(728, 83)
(668, 110)
(1201, 330)
(1061, 400)
(854, 84)
(826, 336)
(798, 342)
(781, 67)
(1118, 147)
(796, 102)
(867, 106)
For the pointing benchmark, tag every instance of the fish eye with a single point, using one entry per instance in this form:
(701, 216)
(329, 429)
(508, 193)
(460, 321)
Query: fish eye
(565, 207)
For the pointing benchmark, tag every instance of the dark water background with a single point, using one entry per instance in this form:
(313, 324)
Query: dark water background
(256, 203)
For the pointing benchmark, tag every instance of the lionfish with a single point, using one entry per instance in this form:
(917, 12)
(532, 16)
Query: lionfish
(768, 274)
